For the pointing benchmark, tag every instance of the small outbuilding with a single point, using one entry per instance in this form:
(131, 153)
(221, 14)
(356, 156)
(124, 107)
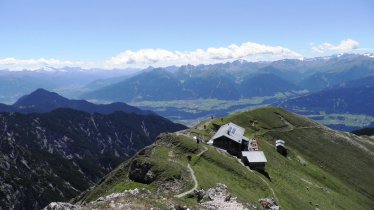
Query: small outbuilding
(231, 138)
(281, 148)
(254, 159)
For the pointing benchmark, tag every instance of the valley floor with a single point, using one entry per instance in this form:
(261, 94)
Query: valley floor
(192, 112)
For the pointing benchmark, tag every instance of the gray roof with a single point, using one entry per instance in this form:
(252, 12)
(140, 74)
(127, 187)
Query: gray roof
(231, 131)
(255, 156)
(280, 142)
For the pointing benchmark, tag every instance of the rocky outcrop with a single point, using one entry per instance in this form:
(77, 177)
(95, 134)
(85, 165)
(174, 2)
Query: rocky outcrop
(140, 172)
(269, 204)
(112, 201)
(218, 198)
(214, 198)
(62, 206)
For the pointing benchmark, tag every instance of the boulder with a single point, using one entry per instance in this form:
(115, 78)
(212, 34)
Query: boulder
(269, 203)
(140, 171)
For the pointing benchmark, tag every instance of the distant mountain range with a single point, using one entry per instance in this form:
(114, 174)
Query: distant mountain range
(69, 81)
(160, 84)
(346, 106)
(226, 81)
(319, 83)
(41, 101)
(322, 80)
(186, 92)
(364, 132)
(240, 79)
(354, 97)
(55, 156)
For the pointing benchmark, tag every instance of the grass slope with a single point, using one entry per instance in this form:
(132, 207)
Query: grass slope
(324, 169)
(346, 156)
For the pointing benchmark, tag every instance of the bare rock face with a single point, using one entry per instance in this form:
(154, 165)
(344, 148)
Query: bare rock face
(54, 156)
(61, 206)
(141, 172)
(173, 186)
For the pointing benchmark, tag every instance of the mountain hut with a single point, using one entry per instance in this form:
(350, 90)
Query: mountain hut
(231, 138)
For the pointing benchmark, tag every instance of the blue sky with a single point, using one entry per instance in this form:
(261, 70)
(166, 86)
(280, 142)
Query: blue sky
(115, 33)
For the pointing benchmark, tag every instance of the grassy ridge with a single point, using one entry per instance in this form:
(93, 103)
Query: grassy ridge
(323, 170)
(323, 167)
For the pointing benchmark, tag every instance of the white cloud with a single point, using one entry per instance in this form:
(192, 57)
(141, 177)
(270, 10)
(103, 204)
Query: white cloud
(160, 57)
(32, 64)
(344, 46)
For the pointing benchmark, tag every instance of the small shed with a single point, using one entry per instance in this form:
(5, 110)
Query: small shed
(231, 138)
(281, 147)
(254, 159)
(280, 143)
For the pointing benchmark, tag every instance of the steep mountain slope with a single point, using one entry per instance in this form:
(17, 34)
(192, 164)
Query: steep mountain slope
(287, 70)
(54, 156)
(100, 83)
(345, 106)
(265, 85)
(324, 169)
(6, 108)
(145, 86)
(355, 100)
(212, 85)
(328, 79)
(364, 131)
(44, 101)
(364, 81)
